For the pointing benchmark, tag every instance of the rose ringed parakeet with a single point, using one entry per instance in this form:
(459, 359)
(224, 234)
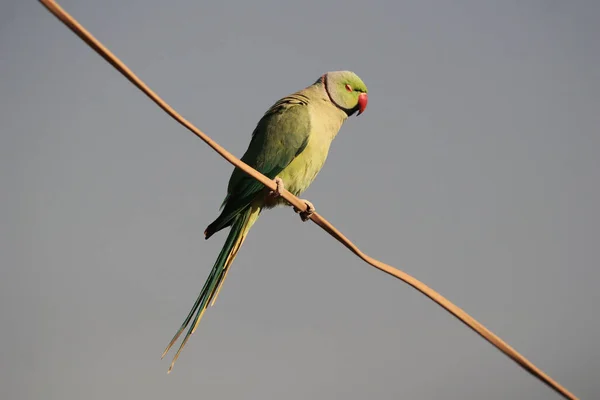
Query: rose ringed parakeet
(289, 144)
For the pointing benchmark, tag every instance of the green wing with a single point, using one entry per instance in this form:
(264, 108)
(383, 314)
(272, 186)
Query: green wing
(280, 136)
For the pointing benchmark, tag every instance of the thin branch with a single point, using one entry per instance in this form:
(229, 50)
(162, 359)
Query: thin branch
(80, 31)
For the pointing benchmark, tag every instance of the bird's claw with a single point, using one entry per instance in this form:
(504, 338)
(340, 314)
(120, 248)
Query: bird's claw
(280, 188)
(305, 215)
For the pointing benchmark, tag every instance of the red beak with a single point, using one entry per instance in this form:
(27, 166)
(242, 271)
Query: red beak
(363, 99)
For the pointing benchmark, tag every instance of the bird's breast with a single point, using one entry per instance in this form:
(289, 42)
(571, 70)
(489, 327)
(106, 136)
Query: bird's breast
(302, 171)
(325, 122)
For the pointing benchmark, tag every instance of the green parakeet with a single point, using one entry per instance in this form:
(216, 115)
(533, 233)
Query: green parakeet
(289, 144)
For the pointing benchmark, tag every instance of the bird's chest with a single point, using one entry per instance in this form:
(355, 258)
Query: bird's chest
(304, 168)
(301, 172)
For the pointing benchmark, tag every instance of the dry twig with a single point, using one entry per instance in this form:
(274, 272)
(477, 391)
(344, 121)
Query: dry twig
(68, 20)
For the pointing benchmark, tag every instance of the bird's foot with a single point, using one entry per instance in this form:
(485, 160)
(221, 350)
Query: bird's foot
(310, 210)
(280, 188)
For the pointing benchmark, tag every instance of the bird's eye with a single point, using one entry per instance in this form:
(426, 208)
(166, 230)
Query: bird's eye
(348, 88)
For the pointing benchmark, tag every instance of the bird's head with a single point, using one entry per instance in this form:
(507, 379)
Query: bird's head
(347, 91)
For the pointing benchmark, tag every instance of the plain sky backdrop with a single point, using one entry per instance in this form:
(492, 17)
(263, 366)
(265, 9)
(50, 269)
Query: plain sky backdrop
(475, 168)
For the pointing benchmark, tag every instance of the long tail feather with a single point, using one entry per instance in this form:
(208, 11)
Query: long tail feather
(228, 263)
(214, 282)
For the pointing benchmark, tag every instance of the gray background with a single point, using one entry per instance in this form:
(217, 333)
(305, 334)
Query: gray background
(475, 169)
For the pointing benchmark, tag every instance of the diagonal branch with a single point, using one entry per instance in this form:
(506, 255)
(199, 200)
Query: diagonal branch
(87, 37)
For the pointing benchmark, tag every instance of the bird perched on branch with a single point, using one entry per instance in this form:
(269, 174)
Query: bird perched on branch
(289, 144)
